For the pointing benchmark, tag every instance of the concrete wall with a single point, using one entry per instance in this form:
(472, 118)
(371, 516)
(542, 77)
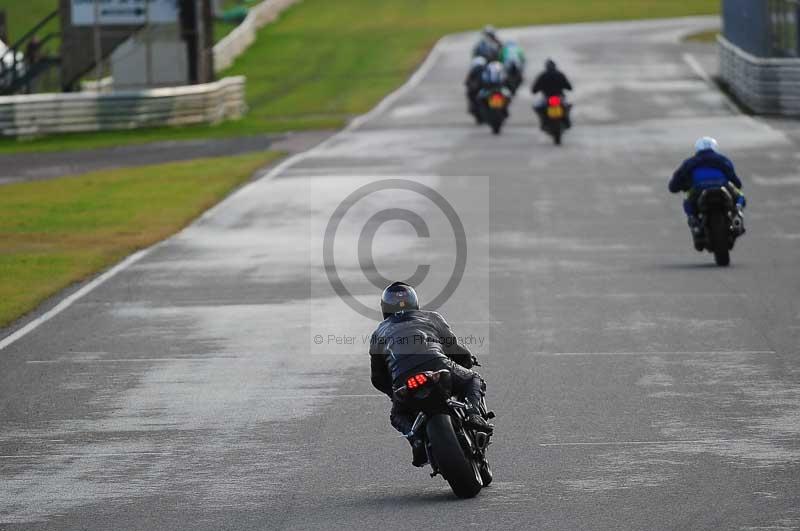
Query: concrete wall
(766, 86)
(78, 112)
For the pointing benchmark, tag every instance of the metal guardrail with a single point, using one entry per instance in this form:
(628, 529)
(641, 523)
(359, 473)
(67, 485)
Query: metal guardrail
(81, 112)
(765, 85)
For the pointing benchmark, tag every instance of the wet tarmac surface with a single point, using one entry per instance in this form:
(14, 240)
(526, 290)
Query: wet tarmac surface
(218, 382)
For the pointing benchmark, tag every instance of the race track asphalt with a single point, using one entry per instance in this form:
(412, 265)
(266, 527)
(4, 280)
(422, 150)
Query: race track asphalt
(217, 381)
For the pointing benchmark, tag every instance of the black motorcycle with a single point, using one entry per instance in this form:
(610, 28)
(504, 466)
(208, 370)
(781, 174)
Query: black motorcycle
(720, 223)
(455, 450)
(494, 107)
(554, 118)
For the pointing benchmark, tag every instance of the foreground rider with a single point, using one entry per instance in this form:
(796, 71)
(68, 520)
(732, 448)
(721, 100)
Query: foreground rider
(489, 45)
(551, 82)
(708, 168)
(409, 341)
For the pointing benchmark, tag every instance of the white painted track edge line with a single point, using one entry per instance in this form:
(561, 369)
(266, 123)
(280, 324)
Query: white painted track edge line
(412, 82)
(71, 299)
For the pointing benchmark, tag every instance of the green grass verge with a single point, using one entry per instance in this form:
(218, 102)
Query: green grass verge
(23, 16)
(64, 230)
(323, 62)
(703, 36)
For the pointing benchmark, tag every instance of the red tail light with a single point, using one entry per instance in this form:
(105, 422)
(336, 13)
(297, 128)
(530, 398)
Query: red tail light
(554, 101)
(416, 381)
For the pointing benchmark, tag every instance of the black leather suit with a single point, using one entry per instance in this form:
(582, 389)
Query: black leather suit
(417, 340)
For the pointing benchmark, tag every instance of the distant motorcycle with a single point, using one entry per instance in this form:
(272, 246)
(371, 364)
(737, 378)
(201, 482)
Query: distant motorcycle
(455, 450)
(555, 118)
(720, 223)
(494, 107)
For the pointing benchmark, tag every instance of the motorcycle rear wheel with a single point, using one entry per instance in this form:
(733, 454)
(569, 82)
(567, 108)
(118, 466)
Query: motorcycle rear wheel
(459, 470)
(719, 237)
(496, 126)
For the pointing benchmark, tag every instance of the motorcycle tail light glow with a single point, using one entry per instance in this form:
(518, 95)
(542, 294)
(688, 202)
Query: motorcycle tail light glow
(416, 381)
(554, 101)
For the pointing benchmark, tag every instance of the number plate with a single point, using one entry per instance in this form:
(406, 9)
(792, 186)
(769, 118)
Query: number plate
(555, 112)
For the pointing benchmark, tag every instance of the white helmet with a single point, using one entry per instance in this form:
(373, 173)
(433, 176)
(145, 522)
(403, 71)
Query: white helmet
(705, 143)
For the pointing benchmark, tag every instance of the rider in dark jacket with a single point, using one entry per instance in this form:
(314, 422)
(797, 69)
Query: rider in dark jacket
(551, 82)
(473, 83)
(409, 341)
(708, 168)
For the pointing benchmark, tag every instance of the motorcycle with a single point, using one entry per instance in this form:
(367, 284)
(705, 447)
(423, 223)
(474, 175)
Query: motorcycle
(494, 106)
(474, 108)
(554, 118)
(455, 451)
(720, 223)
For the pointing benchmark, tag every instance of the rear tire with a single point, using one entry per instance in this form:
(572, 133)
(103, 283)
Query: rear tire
(719, 237)
(496, 126)
(459, 471)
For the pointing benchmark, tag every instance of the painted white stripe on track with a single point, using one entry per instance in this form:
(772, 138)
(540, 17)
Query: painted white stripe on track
(69, 301)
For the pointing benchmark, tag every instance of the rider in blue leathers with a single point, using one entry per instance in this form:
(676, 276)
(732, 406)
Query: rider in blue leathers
(708, 168)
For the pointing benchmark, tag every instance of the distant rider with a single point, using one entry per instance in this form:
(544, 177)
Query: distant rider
(708, 168)
(551, 82)
(513, 58)
(494, 76)
(473, 83)
(489, 45)
(410, 340)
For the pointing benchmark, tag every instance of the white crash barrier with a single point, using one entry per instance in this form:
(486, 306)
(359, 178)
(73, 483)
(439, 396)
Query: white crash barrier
(80, 112)
(766, 86)
(237, 41)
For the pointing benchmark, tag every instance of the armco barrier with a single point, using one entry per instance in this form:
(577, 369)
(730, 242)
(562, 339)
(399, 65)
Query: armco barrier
(237, 41)
(765, 85)
(79, 112)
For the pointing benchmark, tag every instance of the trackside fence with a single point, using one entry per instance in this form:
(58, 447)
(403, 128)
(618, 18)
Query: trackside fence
(760, 54)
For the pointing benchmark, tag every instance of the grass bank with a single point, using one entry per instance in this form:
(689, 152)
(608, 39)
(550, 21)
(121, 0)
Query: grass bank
(707, 37)
(56, 232)
(323, 62)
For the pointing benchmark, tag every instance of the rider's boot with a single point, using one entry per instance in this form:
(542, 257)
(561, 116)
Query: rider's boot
(697, 232)
(418, 452)
(738, 221)
(476, 420)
